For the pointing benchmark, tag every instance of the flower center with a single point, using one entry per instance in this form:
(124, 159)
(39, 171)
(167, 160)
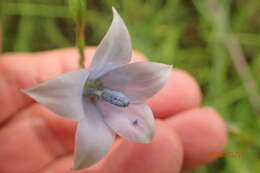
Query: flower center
(94, 91)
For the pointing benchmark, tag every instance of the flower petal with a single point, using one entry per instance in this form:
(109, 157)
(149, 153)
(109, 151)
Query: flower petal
(138, 81)
(114, 50)
(135, 122)
(93, 138)
(62, 94)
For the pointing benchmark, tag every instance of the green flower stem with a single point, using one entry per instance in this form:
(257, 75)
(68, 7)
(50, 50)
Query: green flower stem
(1, 38)
(80, 40)
(78, 9)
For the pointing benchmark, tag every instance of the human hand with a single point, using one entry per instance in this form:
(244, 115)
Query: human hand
(34, 139)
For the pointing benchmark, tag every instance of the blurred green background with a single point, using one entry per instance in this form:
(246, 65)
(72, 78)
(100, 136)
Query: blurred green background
(216, 41)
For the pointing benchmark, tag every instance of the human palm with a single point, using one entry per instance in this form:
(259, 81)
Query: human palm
(34, 139)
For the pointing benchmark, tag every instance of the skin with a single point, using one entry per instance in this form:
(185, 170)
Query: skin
(34, 139)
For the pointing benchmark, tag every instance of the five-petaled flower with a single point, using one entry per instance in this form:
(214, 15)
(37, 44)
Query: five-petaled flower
(108, 98)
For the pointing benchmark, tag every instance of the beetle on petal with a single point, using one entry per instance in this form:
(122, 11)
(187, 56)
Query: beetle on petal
(108, 98)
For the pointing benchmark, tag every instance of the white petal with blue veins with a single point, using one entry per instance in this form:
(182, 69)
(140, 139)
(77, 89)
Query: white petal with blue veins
(93, 138)
(138, 81)
(135, 122)
(114, 50)
(62, 94)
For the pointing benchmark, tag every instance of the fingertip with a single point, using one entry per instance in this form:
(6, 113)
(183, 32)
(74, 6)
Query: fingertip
(180, 93)
(202, 132)
(137, 56)
(68, 57)
(64, 165)
(163, 154)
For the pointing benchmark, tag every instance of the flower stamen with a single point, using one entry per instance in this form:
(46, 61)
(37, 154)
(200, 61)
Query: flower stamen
(94, 91)
(115, 97)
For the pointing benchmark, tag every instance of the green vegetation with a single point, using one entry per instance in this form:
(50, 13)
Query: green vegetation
(217, 41)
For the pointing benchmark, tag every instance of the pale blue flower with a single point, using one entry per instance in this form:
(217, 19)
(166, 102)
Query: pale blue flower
(108, 98)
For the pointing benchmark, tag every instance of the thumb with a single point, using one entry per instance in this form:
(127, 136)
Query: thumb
(163, 154)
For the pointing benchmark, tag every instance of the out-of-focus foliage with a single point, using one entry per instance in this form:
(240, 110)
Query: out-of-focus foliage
(191, 35)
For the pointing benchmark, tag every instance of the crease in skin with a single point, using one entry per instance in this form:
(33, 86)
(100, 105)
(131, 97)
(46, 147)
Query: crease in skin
(46, 167)
(43, 133)
(9, 118)
(7, 69)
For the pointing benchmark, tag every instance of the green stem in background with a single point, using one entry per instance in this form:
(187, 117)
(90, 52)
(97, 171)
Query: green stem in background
(54, 34)
(1, 30)
(236, 53)
(1, 38)
(24, 37)
(80, 40)
(35, 10)
(239, 60)
(26, 28)
(78, 9)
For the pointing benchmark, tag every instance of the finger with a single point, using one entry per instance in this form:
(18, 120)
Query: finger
(25, 70)
(51, 63)
(202, 132)
(42, 147)
(20, 145)
(163, 154)
(64, 165)
(37, 140)
(179, 94)
(126, 156)
(60, 165)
